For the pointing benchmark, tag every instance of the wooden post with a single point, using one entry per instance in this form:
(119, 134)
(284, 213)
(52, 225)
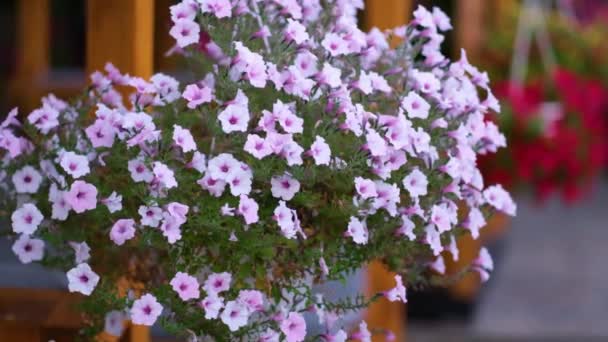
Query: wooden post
(32, 55)
(385, 14)
(32, 38)
(122, 32)
(469, 27)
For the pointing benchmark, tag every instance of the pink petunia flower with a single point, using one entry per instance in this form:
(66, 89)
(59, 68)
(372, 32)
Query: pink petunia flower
(198, 162)
(415, 105)
(294, 327)
(295, 32)
(376, 144)
(269, 336)
(212, 304)
(75, 165)
(366, 188)
(257, 146)
(222, 166)
(406, 228)
(214, 186)
(438, 265)
(320, 151)
(284, 187)
(170, 227)
(185, 32)
(26, 219)
(289, 121)
(150, 216)
(253, 299)
(60, 208)
(145, 310)
(186, 286)
(240, 182)
(81, 251)
(433, 239)
(219, 8)
(235, 315)
(248, 208)
(113, 202)
(483, 264)
(164, 175)
(357, 231)
(114, 323)
(416, 183)
(335, 44)
(398, 292)
(226, 210)
(44, 119)
(139, 171)
(196, 95)
(306, 62)
(183, 138)
(329, 76)
(284, 217)
(217, 283)
(122, 230)
(82, 196)
(234, 118)
(82, 279)
(178, 211)
(101, 133)
(362, 334)
(441, 217)
(474, 222)
(27, 180)
(183, 10)
(28, 249)
(500, 199)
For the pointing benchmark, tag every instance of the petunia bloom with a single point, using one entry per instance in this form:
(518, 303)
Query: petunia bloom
(27, 180)
(294, 327)
(146, 310)
(186, 286)
(28, 249)
(26, 219)
(284, 187)
(217, 283)
(82, 196)
(183, 138)
(320, 151)
(122, 230)
(82, 279)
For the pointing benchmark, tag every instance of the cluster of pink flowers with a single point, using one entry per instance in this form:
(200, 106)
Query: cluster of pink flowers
(294, 93)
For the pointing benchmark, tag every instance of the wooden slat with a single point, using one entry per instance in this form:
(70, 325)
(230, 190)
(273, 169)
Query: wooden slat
(32, 38)
(469, 27)
(32, 53)
(386, 14)
(384, 314)
(121, 31)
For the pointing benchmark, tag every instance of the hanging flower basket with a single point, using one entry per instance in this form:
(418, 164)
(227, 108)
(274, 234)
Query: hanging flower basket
(304, 149)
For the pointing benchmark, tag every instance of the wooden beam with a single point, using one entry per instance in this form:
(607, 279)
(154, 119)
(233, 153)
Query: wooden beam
(386, 14)
(121, 32)
(32, 38)
(469, 27)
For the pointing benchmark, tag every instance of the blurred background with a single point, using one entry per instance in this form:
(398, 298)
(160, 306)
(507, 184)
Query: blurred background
(548, 64)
